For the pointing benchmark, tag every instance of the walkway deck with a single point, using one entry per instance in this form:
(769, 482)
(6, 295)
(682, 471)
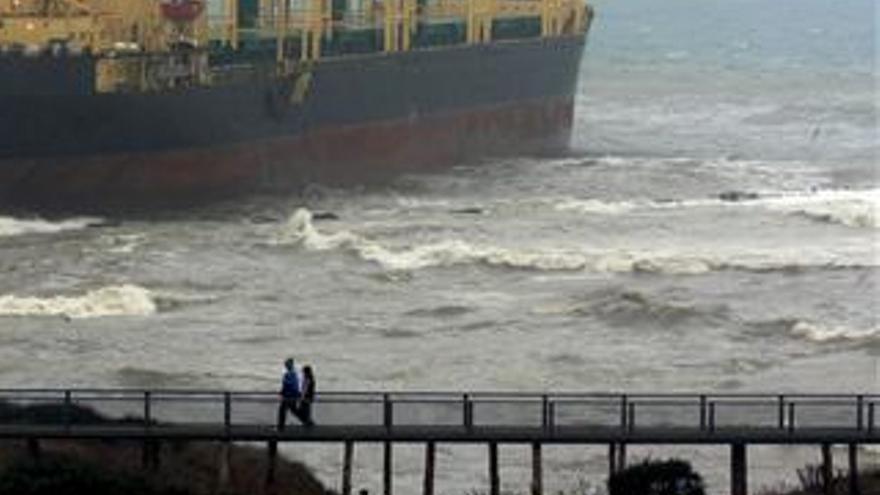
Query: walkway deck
(582, 435)
(492, 418)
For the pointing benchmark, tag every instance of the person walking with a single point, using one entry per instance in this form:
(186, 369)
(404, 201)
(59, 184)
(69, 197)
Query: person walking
(290, 393)
(304, 412)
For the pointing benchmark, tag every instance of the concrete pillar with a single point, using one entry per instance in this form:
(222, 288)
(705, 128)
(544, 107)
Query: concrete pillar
(387, 469)
(827, 470)
(537, 470)
(738, 469)
(430, 456)
(224, 465)
(145, 454)
(347, 458)
(156, 457)
(621, 457)
(854, 486)
(612, 459)
(150, 454)
(272, 459)
(34, 450)
(494, 480)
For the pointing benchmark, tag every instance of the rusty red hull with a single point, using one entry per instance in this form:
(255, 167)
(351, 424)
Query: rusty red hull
(361, 120)
(356, 154)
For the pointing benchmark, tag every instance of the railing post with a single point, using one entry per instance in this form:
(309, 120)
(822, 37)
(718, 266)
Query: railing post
(860, 413)
(148, 410)
(870, 417)
(467, 411)
(227, 413)
(631, 417)
(68, 410)
(712, 416)
(545, 412)
(702, 413)
(791, 417)
(388, 411)
(147, 448)
(551, 412)
(623, 409)
(781, 412)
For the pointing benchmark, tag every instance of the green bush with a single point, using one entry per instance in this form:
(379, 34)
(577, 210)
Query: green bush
(650, 477)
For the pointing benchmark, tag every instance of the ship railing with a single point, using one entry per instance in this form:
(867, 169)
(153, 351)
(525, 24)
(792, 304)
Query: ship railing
(699, 413)
(304, 17)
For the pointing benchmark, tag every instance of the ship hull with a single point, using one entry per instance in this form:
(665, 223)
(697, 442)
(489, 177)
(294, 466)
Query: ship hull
(360, 120)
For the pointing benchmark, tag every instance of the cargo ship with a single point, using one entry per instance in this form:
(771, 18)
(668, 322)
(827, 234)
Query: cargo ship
(153, 102)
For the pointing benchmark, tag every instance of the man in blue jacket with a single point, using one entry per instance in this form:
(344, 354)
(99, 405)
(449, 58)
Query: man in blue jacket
(290, 393)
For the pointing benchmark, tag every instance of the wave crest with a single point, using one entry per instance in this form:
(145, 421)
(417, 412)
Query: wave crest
(851, 208)
(627, 307)
(118, 300)
(815, 332)
(10, 227)
(300, 231)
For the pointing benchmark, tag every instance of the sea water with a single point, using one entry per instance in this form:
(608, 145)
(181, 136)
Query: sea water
(714, 229)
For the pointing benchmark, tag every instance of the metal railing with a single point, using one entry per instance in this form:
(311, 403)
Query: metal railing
(549, 411)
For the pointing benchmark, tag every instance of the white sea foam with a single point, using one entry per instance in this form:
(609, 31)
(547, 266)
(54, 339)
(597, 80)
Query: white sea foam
(594, 206)
(123, 244)
(15, 226)
(829, 333)
(117, 300)
(300, 231)
(858, 208)
(851, 208)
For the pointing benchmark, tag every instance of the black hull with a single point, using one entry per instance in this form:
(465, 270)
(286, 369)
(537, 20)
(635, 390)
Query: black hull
(359, 119)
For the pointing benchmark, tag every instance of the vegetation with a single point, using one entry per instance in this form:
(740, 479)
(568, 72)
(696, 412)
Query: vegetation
(652, 477)
(810, 483)
(115, 467)
(66, 474)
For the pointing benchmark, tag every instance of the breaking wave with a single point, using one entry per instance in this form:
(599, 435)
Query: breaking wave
(118, 300)
(14, 226)
(115, 300)
(850, 208)
(816, 332)
(300, 231)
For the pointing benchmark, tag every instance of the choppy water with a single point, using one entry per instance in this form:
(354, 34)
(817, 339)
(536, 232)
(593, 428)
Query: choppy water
(629, 265)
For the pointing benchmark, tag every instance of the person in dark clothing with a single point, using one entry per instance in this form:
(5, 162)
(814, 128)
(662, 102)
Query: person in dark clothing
(290, 393)
(304, 412)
